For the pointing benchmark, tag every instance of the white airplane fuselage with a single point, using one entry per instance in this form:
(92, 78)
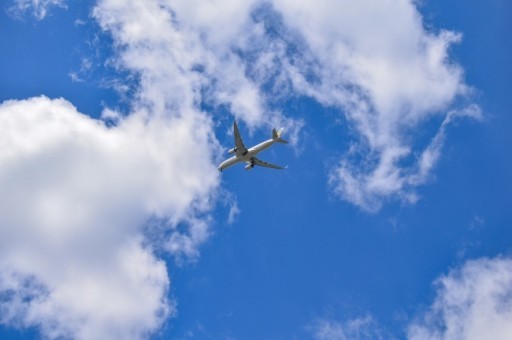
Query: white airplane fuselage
(251, 152)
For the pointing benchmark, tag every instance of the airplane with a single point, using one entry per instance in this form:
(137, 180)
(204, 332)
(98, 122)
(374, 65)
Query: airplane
(242, 154)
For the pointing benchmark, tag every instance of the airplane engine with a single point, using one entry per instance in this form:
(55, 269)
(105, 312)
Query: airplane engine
(231, 151)
(249, 166)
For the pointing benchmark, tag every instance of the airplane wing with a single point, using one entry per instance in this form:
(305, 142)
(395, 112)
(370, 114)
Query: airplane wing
(240, 148)
(259, 162)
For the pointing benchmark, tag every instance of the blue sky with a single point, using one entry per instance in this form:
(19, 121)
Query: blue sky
(391, 221)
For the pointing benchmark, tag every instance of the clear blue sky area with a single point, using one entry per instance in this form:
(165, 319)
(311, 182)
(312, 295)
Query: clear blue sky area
(296, 252)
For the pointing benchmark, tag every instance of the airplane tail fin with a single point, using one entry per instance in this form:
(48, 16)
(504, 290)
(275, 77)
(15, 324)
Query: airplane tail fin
(276, 135)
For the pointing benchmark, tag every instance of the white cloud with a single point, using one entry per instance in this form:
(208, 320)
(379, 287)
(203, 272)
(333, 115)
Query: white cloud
(196, 52)
(358, 328)
(38, 8)
(84, 206)
(472, 302)
(75, 197)
(376, 62)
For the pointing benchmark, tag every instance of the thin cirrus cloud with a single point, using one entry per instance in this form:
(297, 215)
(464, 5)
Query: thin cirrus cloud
(37, 8)
(358, 328)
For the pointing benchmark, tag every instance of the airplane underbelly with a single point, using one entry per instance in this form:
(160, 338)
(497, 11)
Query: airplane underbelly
(229, 162)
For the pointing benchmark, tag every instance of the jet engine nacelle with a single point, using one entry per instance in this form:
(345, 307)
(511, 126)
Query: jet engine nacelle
(232, 151)
(249, 166)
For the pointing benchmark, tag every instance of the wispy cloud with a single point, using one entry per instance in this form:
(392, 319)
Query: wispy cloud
(375, 62)
(472, 302)
(388, 75)
(358, 328)
(38, 8)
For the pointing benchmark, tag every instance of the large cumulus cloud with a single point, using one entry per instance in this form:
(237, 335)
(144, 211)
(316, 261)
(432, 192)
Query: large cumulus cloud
(75, 197)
